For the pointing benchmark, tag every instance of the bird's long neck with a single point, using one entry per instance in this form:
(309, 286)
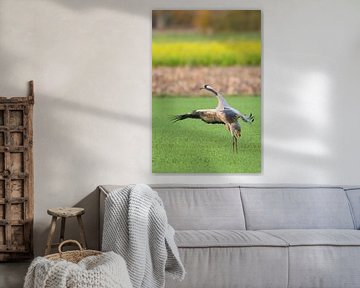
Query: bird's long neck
(213, 91)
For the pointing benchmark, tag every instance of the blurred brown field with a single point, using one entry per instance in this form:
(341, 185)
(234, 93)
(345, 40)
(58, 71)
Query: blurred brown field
(187, 80)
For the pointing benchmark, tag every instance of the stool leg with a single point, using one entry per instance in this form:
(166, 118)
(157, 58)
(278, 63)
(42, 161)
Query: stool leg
(82, 232)
(62, 231)
(51, 235)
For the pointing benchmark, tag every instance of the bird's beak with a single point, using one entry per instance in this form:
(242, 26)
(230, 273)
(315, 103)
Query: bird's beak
(201, 88)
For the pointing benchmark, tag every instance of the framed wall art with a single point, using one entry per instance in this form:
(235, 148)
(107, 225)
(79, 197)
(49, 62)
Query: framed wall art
(206, 91)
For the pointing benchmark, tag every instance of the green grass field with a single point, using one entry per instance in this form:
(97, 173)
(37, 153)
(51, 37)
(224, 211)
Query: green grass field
(192, 146)
(204, 50)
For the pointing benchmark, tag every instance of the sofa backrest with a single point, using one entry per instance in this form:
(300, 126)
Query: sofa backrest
(232, 207)
(202, 207)
(296, 208)
(354, 198)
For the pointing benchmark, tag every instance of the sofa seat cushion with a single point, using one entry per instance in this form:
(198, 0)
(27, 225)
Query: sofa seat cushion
(317, 237)
(225, 238)
(235, 267)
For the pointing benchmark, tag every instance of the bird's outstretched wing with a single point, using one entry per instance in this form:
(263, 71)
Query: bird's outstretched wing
(247, 118)
(207, 115)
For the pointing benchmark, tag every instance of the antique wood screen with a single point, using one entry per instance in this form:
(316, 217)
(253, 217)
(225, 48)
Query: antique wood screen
(16, 177)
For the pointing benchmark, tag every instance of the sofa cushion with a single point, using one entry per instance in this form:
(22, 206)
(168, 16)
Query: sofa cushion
(191, 208)
(226, 238)
(322, 258)
(220, 267)
(324, 266)
(315, 237)
(296, 208)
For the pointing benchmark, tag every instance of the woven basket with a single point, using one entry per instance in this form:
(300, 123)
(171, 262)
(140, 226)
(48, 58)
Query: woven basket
(72, 256)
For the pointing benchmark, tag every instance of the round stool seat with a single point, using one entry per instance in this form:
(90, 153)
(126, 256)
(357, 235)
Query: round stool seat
(66, 211)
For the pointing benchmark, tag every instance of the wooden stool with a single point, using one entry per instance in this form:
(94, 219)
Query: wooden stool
(64, 213)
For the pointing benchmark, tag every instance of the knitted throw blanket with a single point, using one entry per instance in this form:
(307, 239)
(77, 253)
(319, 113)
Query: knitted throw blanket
(103, 271)
(136, 227)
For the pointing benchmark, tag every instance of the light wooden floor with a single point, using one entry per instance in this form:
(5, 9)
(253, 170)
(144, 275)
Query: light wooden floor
(12, 274)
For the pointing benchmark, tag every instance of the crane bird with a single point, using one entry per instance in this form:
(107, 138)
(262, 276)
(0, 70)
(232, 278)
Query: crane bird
(222, 114)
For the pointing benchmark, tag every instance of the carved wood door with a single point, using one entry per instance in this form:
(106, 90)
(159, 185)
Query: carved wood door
(16, 177)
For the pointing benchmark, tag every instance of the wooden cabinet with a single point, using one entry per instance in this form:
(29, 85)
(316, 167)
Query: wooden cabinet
(16, 177)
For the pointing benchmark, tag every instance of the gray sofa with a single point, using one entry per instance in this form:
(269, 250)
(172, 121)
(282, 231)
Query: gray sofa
(243, 236)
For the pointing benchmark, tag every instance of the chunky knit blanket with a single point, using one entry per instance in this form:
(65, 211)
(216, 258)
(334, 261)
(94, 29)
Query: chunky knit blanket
(102, 271)
(136, 227)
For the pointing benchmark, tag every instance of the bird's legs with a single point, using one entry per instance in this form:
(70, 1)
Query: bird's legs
(235, 145)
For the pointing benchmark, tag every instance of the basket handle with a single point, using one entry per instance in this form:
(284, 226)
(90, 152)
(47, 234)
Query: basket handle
(69, 241)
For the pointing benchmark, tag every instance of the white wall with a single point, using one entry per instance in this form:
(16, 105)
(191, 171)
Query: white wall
(91, 63)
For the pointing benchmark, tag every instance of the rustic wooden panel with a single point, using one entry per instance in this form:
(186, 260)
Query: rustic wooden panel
(2, 235)
(2, 161)
(17, 188)
(16, 118)
(16, 162)
(2, 188)
(16, 177)
(2, 211)
(2, 139)
(17, 211)
(16, 139)
(18, 235)
(2, 117)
